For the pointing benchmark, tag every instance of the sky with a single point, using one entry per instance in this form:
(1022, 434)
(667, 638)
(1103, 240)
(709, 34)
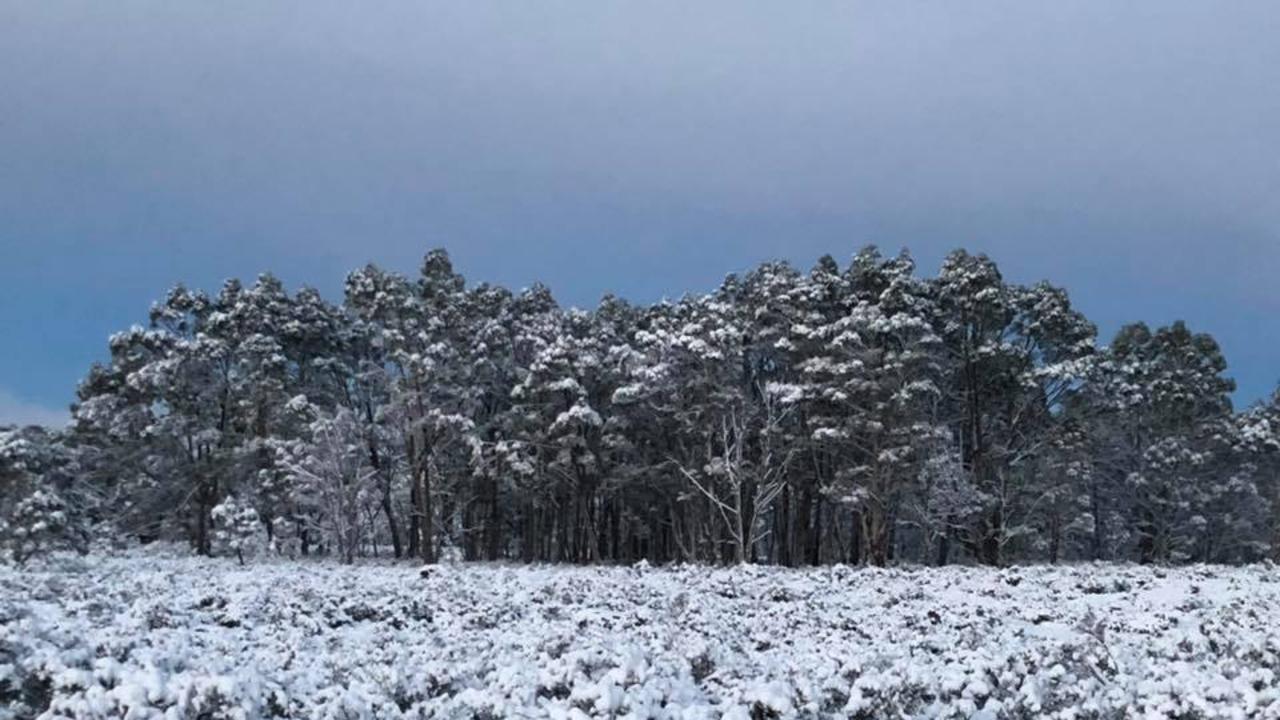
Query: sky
(1126, 151)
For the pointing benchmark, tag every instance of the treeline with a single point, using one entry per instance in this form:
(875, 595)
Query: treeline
(857, 414)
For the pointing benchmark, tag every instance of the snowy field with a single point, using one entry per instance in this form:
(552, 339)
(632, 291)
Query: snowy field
(180, 637)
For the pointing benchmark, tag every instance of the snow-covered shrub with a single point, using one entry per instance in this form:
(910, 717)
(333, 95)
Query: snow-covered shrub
(183, 636)
(35, 515)
(237, 528)
(38, 521)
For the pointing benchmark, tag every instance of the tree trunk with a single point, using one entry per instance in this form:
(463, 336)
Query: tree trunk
(855, 539)
(375, 461)
(1055, 538)
(494, 527)
(815, 538)
(1099, 521)
(990, 548)
(415, 521)
(426, 547)
(397, 545)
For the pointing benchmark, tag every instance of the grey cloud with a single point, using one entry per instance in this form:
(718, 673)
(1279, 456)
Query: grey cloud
(1125, 150)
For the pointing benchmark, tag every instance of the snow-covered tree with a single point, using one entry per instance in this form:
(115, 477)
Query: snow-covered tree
(1014, 355)
(859, 414)
(236, 528)
(1168, 403)
(334, 480)
(42, 506)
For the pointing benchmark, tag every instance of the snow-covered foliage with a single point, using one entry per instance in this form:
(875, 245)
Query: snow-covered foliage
(333, 480)
(238, 528)
(158, 635)
(40, 504)
(858, 413)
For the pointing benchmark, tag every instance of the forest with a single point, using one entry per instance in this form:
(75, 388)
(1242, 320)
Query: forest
(861, 414)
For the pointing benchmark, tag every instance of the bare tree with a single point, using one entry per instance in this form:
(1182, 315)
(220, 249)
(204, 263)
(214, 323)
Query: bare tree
(335, 479)
(745, 471)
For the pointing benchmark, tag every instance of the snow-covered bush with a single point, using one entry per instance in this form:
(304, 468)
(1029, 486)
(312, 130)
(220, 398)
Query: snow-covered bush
(37, 522)
(237, 528)
(35, 515)
(162, 635)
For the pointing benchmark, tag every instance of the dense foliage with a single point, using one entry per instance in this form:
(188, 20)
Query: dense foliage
(857, 414)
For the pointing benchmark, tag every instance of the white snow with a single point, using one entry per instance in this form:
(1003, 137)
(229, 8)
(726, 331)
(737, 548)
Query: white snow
(160, 634)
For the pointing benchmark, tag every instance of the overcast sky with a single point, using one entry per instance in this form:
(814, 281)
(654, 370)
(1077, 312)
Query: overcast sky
(1129, 151)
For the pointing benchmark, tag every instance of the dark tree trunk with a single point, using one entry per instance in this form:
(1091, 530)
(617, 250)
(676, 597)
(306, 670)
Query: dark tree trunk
(855, 540)
(375, 461)
(1147, 550)
(494, 528)
(415, 520)
(1055, 538)
(782, 529)
(397, 545)
(989, 550)
(1099, 522)
(426, 548)
(815, 539)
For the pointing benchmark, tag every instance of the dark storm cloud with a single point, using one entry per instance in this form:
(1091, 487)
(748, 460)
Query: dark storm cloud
(1124, 150)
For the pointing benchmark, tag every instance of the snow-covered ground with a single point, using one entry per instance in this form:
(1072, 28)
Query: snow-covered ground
(169, 636)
